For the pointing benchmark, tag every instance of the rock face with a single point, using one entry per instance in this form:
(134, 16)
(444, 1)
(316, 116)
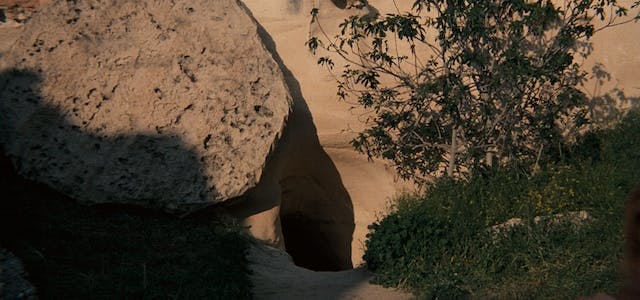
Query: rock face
(325, 125)
(19, 10)
(369, 185)
(166, 104)
(13, 284)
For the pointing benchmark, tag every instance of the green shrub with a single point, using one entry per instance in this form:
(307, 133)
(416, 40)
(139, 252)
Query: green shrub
(467, 84)
(439, 246)
(76, 252)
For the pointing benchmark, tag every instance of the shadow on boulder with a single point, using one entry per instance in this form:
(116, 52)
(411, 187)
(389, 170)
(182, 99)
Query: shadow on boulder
(125, 250)
(150, 170)
(138, 169)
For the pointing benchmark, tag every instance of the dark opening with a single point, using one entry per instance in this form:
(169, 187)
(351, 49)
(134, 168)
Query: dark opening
(344, 4)
(316, 213)
(311, 245)
(317, 229)
(341, 4)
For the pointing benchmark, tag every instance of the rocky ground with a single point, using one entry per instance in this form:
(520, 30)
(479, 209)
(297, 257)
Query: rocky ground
(13, 282)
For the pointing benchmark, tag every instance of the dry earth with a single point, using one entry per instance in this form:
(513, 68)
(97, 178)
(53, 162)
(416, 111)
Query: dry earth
(276, 277)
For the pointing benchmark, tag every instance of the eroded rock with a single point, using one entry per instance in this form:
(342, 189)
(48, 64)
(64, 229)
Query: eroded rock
(576, 218)
(13, 284)
(19, 10)
(163, 104)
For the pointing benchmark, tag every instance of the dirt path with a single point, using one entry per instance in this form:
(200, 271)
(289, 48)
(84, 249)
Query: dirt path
(276, 277)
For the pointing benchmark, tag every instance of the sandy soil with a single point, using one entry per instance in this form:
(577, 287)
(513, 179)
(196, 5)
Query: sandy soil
(276, 277)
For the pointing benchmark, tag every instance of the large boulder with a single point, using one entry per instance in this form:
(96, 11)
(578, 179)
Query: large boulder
(166, 104)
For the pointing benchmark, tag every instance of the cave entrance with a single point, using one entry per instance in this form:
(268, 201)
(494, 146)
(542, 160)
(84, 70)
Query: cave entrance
(317, 225)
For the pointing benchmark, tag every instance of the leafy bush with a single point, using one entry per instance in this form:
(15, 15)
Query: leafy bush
(439, 246)
(467, 84)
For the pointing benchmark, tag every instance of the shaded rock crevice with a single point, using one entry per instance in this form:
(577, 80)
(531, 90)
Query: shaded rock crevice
(310, 194)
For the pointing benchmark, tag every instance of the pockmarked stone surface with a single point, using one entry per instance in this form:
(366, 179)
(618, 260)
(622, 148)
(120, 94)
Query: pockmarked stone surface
(166, 104)
(19, 10)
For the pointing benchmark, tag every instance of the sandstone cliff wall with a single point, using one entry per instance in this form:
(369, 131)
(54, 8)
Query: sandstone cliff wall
(371, 184)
